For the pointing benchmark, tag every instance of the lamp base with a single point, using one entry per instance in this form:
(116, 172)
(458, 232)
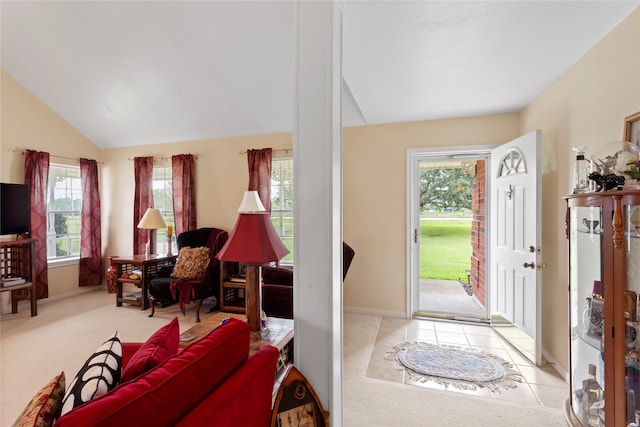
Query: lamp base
(152, 242)
(253, 304)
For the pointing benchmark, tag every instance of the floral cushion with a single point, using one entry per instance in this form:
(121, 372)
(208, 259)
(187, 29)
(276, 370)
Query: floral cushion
(191, 262)
(44, 406)
(163, 344)
(99, 374)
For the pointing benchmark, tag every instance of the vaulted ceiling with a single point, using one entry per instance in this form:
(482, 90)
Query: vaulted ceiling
(130, 73)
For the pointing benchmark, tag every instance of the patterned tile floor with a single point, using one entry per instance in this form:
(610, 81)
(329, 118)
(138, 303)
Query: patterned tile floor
(541, 386)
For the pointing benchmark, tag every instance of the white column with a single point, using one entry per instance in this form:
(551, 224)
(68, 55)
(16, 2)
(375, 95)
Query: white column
(317, 152)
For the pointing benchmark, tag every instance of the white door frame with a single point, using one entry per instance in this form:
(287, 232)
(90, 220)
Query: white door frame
(414, 156)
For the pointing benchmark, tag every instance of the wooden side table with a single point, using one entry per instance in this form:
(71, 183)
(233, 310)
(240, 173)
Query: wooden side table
(232, 288)
(148, 266)
(17, 259)
(279, 334)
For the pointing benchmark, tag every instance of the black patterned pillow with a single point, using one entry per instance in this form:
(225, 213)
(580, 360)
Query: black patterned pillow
(99, 374)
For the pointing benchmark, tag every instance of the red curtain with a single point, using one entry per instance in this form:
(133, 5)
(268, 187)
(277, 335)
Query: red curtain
(36, 176)
(143, 199)
(90, 233)
(184, 192)
(260, 174)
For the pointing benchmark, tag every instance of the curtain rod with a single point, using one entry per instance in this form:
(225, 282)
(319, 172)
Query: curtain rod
(286, 150)
(18, 150)
(195, 156)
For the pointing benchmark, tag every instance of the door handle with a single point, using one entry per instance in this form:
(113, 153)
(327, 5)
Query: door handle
(532, 265)
(415, 235)
(509, 192)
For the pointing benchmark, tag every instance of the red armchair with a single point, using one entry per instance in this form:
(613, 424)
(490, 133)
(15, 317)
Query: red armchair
(277, 286)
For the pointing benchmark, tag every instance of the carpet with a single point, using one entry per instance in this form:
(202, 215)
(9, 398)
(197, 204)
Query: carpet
(465, 369)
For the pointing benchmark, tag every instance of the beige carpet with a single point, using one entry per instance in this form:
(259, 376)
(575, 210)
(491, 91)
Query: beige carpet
(66, 331)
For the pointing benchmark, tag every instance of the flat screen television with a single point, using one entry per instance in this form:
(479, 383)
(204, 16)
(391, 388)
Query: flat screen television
(14, 209)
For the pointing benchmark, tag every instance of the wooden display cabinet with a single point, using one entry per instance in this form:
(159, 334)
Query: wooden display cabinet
(603, 229)
(17, 259)
(232, 287)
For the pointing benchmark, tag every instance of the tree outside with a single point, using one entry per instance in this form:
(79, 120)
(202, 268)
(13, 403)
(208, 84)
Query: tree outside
(445, 245)
(445, 189)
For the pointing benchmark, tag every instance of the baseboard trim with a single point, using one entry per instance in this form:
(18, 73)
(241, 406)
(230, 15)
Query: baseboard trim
(374, 312)
(549, 360)
(73, 293)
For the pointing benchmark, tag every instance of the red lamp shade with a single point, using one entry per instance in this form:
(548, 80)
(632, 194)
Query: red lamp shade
(253, 241)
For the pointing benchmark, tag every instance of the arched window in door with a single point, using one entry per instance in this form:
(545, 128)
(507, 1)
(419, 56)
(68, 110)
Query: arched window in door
(512, 163)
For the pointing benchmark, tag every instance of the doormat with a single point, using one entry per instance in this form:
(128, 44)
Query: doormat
(465, 369)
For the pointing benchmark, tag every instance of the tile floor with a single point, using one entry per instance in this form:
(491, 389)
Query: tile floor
(541, 386)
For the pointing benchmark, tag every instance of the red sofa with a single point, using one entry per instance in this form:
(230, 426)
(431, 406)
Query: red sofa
(212, 382)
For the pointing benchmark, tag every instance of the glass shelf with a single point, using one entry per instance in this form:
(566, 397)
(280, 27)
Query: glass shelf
(627, 234)
(591, 341)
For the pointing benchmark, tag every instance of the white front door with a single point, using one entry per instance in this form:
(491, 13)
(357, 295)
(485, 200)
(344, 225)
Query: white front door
(515, 197)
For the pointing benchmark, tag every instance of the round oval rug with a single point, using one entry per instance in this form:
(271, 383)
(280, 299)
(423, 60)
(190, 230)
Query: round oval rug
(450, 365)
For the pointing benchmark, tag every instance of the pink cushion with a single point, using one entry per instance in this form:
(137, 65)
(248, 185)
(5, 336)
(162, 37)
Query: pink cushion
(163, 344)
(164, 395)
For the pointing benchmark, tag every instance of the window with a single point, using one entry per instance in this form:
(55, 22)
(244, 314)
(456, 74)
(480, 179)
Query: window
(163, 200)
(282, 202)
(64, 206)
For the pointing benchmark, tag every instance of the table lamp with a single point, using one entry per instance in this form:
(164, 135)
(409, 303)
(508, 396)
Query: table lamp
(152, 220)
(253, 242)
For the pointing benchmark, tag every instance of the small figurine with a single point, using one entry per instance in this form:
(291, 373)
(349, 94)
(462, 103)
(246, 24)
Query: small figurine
(607, 182)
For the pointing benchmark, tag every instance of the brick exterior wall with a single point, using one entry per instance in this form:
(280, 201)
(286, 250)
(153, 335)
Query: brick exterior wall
(478, 232)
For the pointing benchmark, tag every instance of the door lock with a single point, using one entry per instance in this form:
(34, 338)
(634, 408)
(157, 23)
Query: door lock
(532, 265)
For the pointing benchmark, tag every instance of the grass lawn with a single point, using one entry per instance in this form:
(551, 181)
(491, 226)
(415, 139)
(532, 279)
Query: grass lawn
(445, 249)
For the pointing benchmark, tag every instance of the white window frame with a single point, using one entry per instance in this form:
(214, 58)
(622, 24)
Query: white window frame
(161, 181)
(69, 189)
(280, 216)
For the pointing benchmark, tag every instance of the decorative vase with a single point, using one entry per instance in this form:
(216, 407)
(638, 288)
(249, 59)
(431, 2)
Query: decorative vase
(169, 253)
(580, 171)
(112, 277)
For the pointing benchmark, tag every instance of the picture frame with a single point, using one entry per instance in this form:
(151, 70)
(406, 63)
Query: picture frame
(297, 404)
(632, 128)
(596, 318)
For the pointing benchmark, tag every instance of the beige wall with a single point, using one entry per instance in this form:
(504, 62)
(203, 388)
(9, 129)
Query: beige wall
(586, 106)
(27, 123)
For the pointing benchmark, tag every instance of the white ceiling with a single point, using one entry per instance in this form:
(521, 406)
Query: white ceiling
(134, 73)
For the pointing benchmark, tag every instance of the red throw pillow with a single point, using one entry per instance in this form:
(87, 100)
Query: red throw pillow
(163, 344)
